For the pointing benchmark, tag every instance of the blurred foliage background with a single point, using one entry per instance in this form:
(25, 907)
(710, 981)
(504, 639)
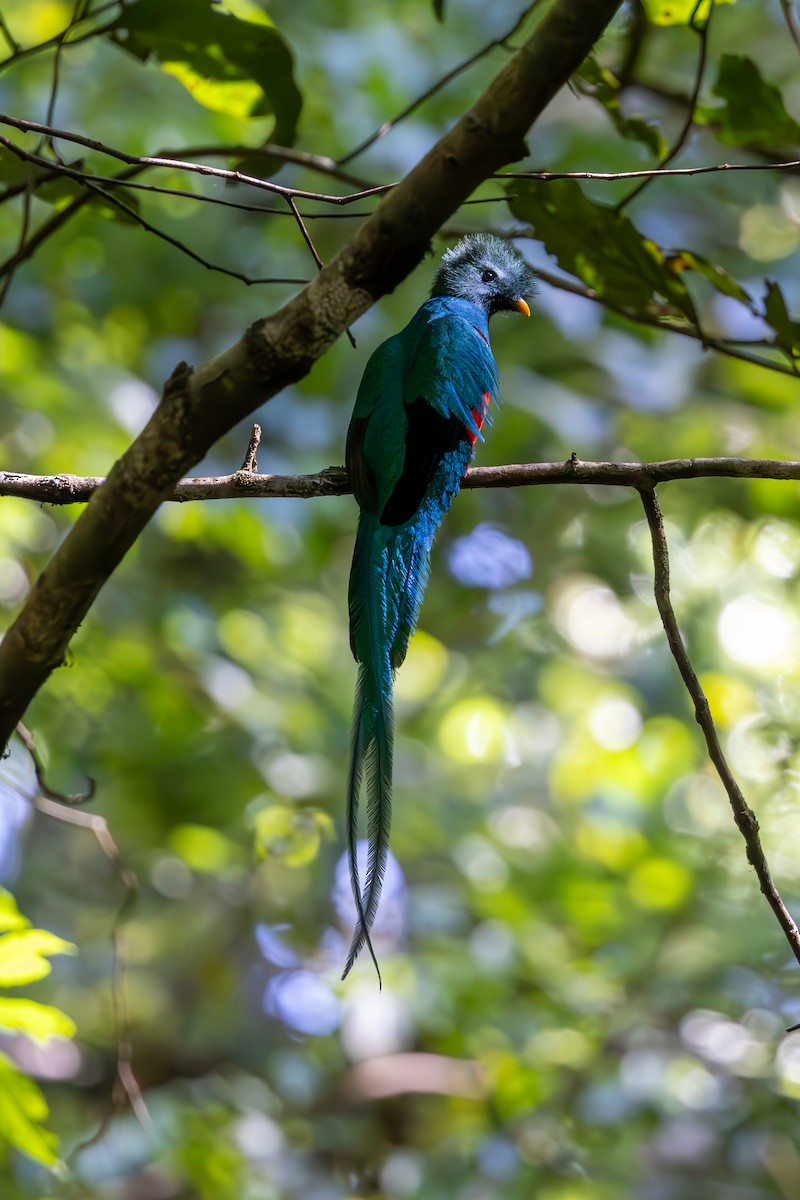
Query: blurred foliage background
(584, 993)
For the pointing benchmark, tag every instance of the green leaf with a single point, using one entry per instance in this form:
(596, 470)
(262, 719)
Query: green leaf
(228, 64)
(438, 10)
(754, 112)
(38, 1021)
(24, 954)
(13, 170)
(787, 330)
(10, 916)
(22, 1110)
(680, 12)
(601, 247)
(687, 260)
(604, 87)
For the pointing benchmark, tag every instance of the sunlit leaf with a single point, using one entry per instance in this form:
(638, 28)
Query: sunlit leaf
(10, 916)
(24, 955)
(22, 1110)
(680, 12)
(37, 1021)
(220, 58)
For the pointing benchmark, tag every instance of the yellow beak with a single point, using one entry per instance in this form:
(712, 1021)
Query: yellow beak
(521, 306)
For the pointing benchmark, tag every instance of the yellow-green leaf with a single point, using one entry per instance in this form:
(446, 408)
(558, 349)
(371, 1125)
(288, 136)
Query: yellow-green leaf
(680, 12)
(10, 916)
(38, 1021)
(24, 954)
(22, 1110)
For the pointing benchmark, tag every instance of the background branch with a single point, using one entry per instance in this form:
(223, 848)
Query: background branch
(688, 122)
(448, 77)
(743, 815)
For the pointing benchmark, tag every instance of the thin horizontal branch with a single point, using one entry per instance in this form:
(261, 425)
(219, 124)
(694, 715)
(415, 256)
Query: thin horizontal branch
(299, 158)
(743, 815)
(650, 173)
(654, 321)
(181, 161)
(334, 481)
(178, 164)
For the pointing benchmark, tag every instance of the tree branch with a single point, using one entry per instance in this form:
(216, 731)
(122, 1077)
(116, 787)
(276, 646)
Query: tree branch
(689, 118)
(333, 481)
(180, 164)
(743, 815)
(199, 406)
(388, 126)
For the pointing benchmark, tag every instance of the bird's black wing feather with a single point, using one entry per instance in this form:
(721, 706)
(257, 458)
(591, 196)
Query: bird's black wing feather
(429, 437)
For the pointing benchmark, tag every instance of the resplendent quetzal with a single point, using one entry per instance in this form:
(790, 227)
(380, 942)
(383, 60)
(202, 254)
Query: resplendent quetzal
(419, 411)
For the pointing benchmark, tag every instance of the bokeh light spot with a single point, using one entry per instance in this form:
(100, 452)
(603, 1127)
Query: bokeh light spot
(755, 633)
(659, 883)
(474, 730)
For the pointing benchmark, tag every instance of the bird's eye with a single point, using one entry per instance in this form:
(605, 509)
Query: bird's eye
(489, 275)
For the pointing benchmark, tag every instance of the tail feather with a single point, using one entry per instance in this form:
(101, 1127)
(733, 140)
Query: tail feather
(409, 568)
(373, 727)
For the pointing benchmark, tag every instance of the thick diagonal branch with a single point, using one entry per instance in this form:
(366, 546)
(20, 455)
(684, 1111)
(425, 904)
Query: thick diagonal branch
(199, 406)
(743, 815)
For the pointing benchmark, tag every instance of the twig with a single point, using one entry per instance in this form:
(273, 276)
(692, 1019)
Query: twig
(300, 158)
(639, 27)
(688, 123)
(26, 737)
(387, 126)
(124, 180)
(78, 13)
(7, 277)
(250, 465)
(45, 230)
(720, 345)
(126, 1087)
(21, 52)
(62, 808)
(13, 45)
(334, 481)
(787, 8)
(314, 252)
(650, 172)
(179, 245)
(743, 815)
(183, 165)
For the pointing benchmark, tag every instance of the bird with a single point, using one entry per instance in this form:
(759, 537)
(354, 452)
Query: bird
(422, 403)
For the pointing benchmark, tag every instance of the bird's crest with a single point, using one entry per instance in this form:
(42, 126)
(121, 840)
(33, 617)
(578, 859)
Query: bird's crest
(487, 270)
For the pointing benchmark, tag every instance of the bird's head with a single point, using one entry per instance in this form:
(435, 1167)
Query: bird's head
(489, 271)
